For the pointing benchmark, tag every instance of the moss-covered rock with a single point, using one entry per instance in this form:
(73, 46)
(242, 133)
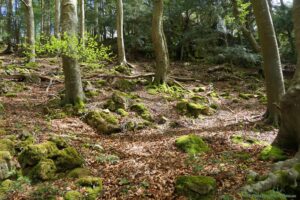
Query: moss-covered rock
(192, 109)
(119, 100)
(44, 170)
(93, 186)
(196, 187)
(141, 110)
(67, 159)
(191, 144)
(79, 173)
(272, 153)
(124, 85)
(5, 187)
(7, 166)
(7, 145)
(60, 142)
(23, 141)
(73, 195)
(103, 122)
(32, 154)
(122, 112)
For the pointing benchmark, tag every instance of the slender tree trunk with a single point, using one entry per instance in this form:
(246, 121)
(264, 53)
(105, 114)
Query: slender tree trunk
(246, 33)
(30, 32)
(9, 27)
(96, 10)
(73, 83)
(159, 43)
(57, 19)
(120, 32)
(42, 17)
(82, 20)
(289, 133)
(272, 64)
(47, 21)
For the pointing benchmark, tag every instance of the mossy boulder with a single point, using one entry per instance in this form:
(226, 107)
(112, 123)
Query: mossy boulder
(5, 187)
(272, 153)
(196, 187)
(44, 170)
(7, 166)
(93, 186)
(268, 195)
(118, 100)
(32, 154)
(79, 173)
(103, 122)
(73, 195)
(184, 107)
(67, 159)
(124, 85)
(7, 145)
(191, 144)
(141, 110)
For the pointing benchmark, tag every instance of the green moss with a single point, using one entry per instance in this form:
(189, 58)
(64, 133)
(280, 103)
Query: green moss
(44, 170)
(60, 142)
(123, 69)
(32, 154)
(103, 122)
(5, 187)
(268, 195)
(73, 195)
(191, 144)
(272, 153)
(173, 91)
(92, 185)
(192, 109)
(244, 141)
(119, 100)
(7, 168)
(124, 85)
(246, 96)
(67, 159)
(122, 112)
(196, 187)
(32, 65)
(7, 145)
(78, 173)
(141, 110)
(93, 193)
(11, 94)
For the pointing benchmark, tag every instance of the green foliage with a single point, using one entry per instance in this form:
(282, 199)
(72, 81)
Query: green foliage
(72, 47)
(268, 195)
(45, 191)
(107, 158)
(272, 153)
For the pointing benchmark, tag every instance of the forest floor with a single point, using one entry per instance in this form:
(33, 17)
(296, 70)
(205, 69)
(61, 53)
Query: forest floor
(144, 163)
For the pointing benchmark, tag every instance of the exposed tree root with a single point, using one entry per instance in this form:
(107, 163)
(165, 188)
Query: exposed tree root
(284, 174)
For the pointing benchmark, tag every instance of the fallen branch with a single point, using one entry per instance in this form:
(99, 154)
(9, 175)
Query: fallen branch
(23, 77)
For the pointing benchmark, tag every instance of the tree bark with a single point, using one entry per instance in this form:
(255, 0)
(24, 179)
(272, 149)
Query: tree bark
(9, 25)
(30, 30)
(272, 64)
(159, 43)
(120, 32)
(96, 10)
(82, 21)
(73, 83)
(57, 19)
(47, 21)
(289, 132)
(246, 33)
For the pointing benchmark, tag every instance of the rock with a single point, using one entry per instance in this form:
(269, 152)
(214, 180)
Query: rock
(73, 195)
(193, 109)
(191, 144)
(272, 153)
(196, 187)
(78, 173)
(268, 195)
(44, 170)
(119, 100)
(7, 145)
(7, 166)
(124, 85)
(67, 159)
(103, 122)
(92, 185)
(5, 187)
(141, 110)
(32, 154)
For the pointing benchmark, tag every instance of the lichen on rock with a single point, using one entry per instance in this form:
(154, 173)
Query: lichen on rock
(191, 144)
(196, 187)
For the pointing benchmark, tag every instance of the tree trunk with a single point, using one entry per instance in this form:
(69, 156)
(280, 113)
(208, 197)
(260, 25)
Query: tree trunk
(47, 21)
(159, 43)
(82, 20)
(289, 133)
(120, 33)
(246, 33)
(30, 30)
(73, 83)
(57, 19)
(96, 9)
(9, 25)
(272, 64)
